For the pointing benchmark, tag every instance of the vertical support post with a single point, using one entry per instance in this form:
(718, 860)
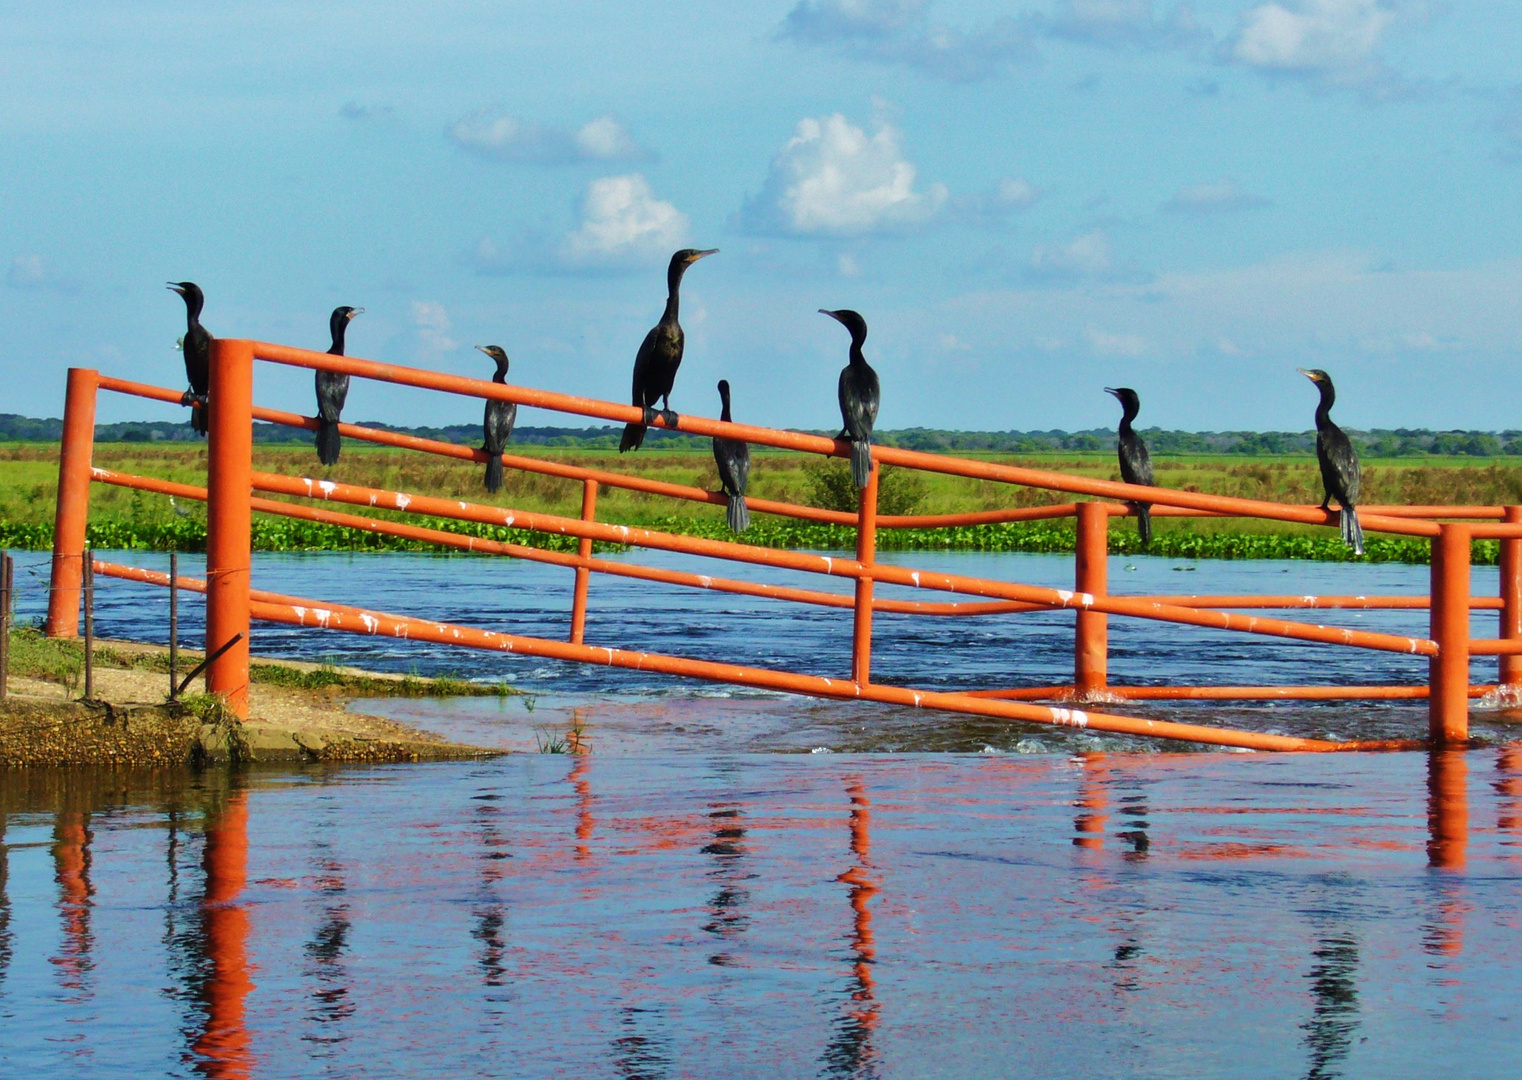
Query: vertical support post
(229, 487)
(1448, 703)
(7, 584)
(866, 554)
(89, 587)
(73, 509)
(583, 575)
(1091, 643)
(174, 626)
(1511, 598)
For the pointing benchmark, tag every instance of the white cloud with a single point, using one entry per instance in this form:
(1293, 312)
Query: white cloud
(432, 323)
(35, 272)
(1330, 42)
(498, 136)
(1107, 344)
(622, 222)
(1223, 196)
(1083, 256)
(900, 32)
(992, 209)
(833, 179)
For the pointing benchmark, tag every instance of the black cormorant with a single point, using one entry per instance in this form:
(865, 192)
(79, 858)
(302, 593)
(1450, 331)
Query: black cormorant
(197, 348)
(660, 354)
(733, 459)
(499, 421)
(1135, 464)
(859, 397)
(333, 389)
(1339, 462)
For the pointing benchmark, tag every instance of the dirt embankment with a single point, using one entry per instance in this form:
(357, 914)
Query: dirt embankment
(297, 713)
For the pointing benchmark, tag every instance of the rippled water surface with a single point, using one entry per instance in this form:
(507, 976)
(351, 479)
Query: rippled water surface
(770, 915)
(697, 897)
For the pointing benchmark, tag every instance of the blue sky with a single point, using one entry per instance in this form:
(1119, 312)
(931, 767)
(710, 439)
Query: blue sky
(1027, 201)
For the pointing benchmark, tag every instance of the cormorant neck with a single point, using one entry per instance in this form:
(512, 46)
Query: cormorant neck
(501, 375)
(1127, 414)
(858, 358)
(1324, 410)
(193, 305)
(337, 348)
(724, 412)
(673, 290)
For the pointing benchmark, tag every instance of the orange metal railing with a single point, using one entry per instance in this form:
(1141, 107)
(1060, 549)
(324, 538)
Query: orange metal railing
(231, 498)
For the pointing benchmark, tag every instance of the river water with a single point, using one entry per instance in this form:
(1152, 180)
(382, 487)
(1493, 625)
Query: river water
(919, 896)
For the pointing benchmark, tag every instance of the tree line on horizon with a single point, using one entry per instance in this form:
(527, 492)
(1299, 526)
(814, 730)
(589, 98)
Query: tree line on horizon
(1375, 443)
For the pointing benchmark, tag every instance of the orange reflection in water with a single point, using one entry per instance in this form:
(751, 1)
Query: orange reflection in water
(1508, 789)
(1447, 849)
(1092, 803)
(223, 1047)
(71, 869)
(850, 1052)
(585, 822)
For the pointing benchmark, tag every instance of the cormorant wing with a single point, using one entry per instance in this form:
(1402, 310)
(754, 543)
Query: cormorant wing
(859, 393)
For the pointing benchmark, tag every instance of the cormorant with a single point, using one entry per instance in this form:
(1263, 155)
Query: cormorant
(1339, 462)
(333, 389)
(733, 458)
(197, 348)
(1135, 464)
(499, 421)
(660, 355)
(859, 397)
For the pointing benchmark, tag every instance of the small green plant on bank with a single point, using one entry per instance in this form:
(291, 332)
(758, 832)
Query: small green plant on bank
(829, 485)
(209, 709)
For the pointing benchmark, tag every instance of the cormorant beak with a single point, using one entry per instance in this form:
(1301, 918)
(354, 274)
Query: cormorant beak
(831, 314)
(1311, 375)
(484, 349)
(1112, 390)
(695, 256)
(356, 311)
(175, 287)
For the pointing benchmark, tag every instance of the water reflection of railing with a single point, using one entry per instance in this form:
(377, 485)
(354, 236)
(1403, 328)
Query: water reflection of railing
(231, 602)
(850, 1052)
(223, 1047)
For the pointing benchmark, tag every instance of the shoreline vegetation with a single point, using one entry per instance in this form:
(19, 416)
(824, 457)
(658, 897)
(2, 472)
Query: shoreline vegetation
(125, 519)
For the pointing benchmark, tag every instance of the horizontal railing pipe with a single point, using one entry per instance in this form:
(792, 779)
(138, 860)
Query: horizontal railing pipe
(816, 444)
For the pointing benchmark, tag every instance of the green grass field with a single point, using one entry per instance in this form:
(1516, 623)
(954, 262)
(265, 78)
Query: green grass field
(124, 518)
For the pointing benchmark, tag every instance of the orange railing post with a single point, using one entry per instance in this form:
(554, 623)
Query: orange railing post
(866, 554)
(73, 509)
(583, 574)
(1511, 597)
(229, 488)
(1448, 705)
(1091, 640)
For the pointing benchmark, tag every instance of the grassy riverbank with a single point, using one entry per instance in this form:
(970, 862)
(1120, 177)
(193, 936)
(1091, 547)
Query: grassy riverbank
(125, 519)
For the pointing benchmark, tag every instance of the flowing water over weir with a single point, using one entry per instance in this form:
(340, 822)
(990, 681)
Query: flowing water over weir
(652, 711)
(765, 915)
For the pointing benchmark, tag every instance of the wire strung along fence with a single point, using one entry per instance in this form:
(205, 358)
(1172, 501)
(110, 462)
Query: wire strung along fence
(234, 491)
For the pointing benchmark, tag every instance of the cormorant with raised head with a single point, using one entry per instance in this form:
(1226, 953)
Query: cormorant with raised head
(1339, 462)
(859, 397)
(1135, 463)
(499, 421)
(197, 348)
(660, 354)
(733, 458)
(333, 389)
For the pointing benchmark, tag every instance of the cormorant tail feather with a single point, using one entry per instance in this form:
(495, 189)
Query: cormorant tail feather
(1144, 523)
(198, 421)
(861, 462)
(1352, 531)
(494, 473)
(328, 441)
(634, 437)
(739, 514)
